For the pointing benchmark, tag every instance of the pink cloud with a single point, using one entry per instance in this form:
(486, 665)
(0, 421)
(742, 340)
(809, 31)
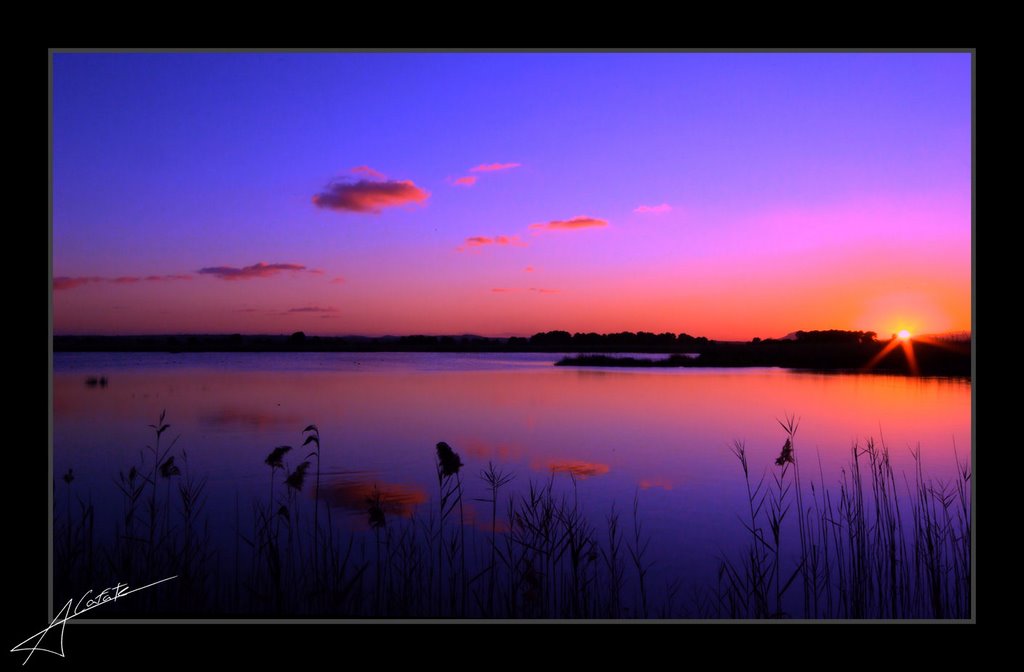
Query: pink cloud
(491, 167)
(370, 172)
(259, 270)
(64, 282)
(163, 278)
(337, 280)
(528, 269)
(467, 181)
(543, 290)
(312, 309)
(581, 222)
(369, 196)
(474, 242)
(502, 290)
(653, 209)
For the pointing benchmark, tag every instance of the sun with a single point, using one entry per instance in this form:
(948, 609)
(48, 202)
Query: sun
(903, 334)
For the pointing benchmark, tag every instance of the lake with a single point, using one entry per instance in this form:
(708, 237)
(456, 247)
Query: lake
(607, 438)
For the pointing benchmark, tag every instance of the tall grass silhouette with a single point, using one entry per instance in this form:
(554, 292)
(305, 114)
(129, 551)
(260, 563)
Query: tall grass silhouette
(855, 555)
(874, 544)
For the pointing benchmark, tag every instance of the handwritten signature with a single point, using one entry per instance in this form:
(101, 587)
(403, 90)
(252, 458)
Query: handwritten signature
(112, 594)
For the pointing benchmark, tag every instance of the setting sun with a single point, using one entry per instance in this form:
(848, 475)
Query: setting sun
(559, 281)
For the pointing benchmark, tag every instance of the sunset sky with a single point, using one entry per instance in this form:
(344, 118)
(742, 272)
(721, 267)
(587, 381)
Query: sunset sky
(724, 195)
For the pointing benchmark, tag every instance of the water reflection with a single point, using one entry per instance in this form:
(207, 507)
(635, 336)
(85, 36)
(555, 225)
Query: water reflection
(657, 482)
(241, 418)
(578, 468)
(483, 450)
(616, 432)
(355, 494)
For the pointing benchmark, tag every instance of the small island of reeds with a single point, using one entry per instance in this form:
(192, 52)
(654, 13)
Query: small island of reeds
(813, 350)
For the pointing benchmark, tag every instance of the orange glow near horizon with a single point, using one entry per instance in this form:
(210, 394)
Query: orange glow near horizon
(908, 350)
(726, 295)
(661, 428)
(750, 216)
(558, 397)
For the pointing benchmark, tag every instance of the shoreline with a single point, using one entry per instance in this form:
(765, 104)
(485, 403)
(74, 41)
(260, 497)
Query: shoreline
(681, 362)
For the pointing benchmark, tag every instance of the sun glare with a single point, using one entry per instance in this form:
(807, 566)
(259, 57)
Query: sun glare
(903, 334)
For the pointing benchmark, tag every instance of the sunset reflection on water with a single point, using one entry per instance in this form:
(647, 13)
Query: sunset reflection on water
(659, 435)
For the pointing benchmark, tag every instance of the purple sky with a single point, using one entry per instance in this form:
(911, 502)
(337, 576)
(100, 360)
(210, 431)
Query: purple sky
(728, 195)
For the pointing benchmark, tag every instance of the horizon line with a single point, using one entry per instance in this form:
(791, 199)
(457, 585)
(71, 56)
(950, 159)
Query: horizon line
(950, 332)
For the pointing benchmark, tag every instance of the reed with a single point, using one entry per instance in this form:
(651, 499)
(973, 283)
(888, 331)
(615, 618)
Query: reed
(870, 545)
(866, 551)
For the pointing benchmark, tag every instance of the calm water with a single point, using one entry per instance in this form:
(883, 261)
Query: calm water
(662, 434)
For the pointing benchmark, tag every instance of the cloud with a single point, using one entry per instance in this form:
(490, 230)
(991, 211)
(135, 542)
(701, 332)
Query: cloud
(491, 167)
(312, 309)
(503, 289)
(260, 270)
(163, 278)
(337, 280)
(369, 196)
(64, 282)
(132, 279)
(581, 222)
(653, 209)
(528, 269)
(474, 242)
(467, 181)
(542, 290)
(370, 172)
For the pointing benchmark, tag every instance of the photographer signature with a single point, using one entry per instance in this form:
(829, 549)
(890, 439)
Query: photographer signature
(84, 604)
